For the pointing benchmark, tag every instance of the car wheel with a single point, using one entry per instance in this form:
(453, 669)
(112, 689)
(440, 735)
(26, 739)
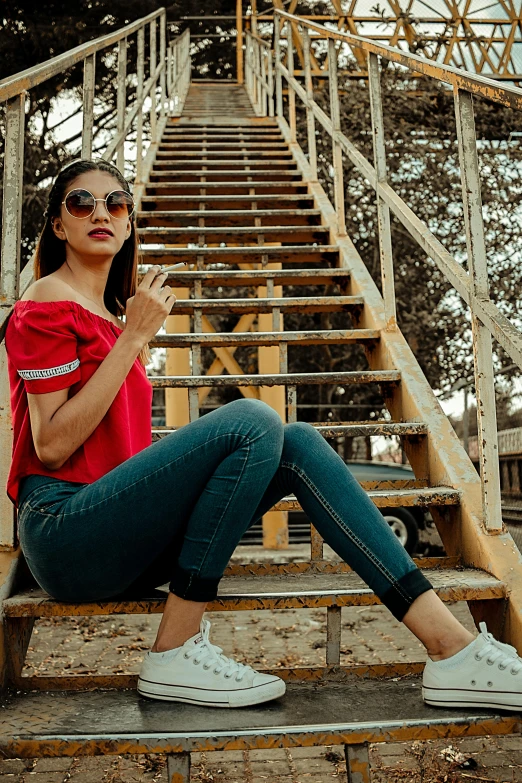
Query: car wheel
(404, 526)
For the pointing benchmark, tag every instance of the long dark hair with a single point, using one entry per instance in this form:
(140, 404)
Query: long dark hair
(50, 250)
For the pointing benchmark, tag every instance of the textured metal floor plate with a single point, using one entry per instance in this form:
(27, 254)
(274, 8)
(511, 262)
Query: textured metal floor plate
(269, 592)
(67, 724)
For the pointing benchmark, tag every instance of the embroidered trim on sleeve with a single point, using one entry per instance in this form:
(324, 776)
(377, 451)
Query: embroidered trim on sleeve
(51, 372)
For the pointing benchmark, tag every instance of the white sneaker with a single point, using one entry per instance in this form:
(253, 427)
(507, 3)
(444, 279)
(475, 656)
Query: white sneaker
(489, 676)
(197, 673)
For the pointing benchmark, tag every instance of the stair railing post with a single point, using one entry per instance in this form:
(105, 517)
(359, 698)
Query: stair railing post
(139, 101)
(12, 199)
(259, 102)
(121, 101)
(264, 91)
(10, 286)
(169, 78)
(239, 41)
(291, 93)
(255, 84)
(163, 49)
(310, 119)
(188, 64)
(479, 290)
(153, 96)
(270, 83)
(383, 211)
(337, 153)
(89, 68)
(175, 79)
(247, 62)
(277, 62)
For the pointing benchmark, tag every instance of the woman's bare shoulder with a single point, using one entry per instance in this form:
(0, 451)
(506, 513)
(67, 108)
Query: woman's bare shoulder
(48, 289)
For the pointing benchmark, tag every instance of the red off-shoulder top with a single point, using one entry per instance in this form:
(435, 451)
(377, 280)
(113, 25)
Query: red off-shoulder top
(59, 345)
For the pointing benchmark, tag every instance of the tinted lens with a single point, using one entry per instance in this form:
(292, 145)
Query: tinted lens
(120, 204)
(80, 203)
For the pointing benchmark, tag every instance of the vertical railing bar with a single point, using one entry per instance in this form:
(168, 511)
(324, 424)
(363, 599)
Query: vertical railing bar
(13, 181)
(163, 49)
(247, 62)
(12, 198)
(270, 84)
(153, 96)
(264, 91)
(277, 61)
(258, 78)
(336, 147)
(169, 77)
(479, 288)
(383, 210)
(310, 119)
(121, 100)
(139, 100)
(291, 93)
(89, 68)
(333, 636)
(175, 77)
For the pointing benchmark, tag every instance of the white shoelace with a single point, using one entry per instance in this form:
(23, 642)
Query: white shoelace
(504, 654)
(211, 654)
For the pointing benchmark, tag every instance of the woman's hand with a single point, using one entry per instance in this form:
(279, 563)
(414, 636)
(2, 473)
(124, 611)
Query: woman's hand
(150, 305)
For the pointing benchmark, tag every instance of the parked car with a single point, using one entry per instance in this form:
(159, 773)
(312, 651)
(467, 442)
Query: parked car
(405, 522)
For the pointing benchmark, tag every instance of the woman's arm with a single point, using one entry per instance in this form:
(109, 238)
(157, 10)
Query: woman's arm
(60, 425)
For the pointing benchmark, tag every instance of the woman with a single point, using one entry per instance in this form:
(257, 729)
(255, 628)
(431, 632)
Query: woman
(104, 513)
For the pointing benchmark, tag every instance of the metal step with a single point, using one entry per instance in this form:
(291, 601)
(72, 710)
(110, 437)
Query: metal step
(231, 175)
(273, 201)
(186, 234)
(199, 144)
(301, 304)
(218, 164)
(279, 379)
(309, 714)
(239, 339)
(429, 496)
(229, 217)
(273, 186)
(212, 154)
(294, 254)
(196, 136)
(361, 429)
(255, 277)
(246, 593)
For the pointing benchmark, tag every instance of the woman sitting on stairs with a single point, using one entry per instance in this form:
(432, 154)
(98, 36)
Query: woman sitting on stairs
(103, 513)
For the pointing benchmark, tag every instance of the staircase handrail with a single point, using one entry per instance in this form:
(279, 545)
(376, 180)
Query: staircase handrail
(487, 319)
(171, 70)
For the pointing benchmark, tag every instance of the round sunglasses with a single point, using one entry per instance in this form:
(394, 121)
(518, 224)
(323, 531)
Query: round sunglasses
(79, 203)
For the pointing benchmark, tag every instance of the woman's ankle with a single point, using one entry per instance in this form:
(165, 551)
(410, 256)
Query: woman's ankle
(447, 649)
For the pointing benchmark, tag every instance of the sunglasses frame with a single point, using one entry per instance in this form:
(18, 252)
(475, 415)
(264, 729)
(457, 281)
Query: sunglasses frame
(116, 190)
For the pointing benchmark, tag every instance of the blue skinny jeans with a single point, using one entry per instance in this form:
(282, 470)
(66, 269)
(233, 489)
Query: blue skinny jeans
(175, 512)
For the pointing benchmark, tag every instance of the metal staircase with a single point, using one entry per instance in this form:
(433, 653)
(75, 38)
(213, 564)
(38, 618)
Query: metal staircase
(230, 191)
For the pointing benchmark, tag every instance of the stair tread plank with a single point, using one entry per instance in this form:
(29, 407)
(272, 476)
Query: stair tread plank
(353, 429)
(313, 304)
(169, 231)
(268, 591)
(279, 379)
(257, 277)
(202, 213)
(309, 713)
(226, 339)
